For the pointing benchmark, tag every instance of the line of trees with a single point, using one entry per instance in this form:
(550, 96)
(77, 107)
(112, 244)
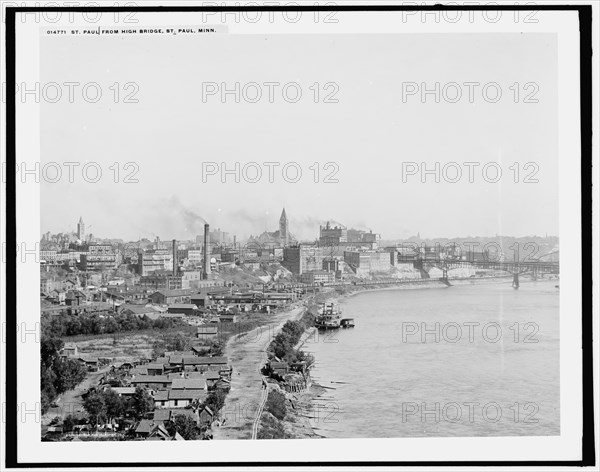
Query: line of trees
(57, 374)
(65, 324)
(283, 344)
(104, 406)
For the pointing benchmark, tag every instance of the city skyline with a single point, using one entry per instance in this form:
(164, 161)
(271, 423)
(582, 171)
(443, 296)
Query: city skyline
(168, 238)
(358, 165)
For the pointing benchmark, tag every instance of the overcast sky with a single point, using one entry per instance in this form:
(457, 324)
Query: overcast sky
(369, 134)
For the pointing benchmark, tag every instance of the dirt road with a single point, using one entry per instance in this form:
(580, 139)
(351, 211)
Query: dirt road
(71, 402)
(247, 354)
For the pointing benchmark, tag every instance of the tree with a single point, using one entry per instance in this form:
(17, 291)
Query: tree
(115, 405)
(69, 373)
(141, 402)
(49, 349)
(48, 377)
(176, 343)
(185, 426)
(68, 423)
(276, 404)
(95, 406)
(215, 400)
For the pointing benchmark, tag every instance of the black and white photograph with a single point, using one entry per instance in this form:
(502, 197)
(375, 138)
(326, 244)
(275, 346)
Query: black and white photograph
(304, 234)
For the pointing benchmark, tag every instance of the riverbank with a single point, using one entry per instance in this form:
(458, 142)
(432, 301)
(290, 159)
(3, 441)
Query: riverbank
(247, 353)
(420, 284)
(307, 412)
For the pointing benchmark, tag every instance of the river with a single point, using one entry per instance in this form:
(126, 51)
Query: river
(467, 360)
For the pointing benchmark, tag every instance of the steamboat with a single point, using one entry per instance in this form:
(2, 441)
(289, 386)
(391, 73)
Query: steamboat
(329, 316)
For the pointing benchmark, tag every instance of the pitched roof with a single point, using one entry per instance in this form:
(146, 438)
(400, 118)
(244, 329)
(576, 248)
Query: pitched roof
(151, 379)
(176, 359)
(180, 292)
(137, 309)
(199, 348)
(193, 360)
(198, 375)
(75, 294)
(189, 384)
(186, 394)
(185, 412)
(167, 414)
(161, 414)
(88, 360)
(161, 395)
(124, 390)
(138, 371)
(175, 375)
(208, 330)
(155, 366)
(145, 426)
(182, 306)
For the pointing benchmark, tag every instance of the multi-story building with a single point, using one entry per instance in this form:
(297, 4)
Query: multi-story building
(182, 280)
(154, 260)
(359, 238)
(331, 235)
(218, 237)
(284, 229)
(100, 249)
(303, 257)
(364, 262)
(48, 256)
(192, 256)
(64, 256)
(229, 255)
(99, 257)
(317, 277)
(81, 230)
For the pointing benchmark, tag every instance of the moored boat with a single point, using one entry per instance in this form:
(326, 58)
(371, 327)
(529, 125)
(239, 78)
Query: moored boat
(329, 316)
(347, 323)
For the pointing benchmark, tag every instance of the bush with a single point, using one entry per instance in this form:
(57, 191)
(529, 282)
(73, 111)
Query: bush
(276, 404)
(185, 426)
(270, 428)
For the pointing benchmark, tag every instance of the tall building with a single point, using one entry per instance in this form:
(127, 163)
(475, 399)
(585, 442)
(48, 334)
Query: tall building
(303, 258)
(333, 234)
(81, 229)
(283, 228)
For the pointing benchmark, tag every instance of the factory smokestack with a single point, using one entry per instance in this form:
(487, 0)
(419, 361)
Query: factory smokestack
(175, 257)
(206, 265)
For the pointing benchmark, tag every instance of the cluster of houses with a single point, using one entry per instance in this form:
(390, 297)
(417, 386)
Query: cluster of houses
(91, 363)
(179, 383)
(215, 304)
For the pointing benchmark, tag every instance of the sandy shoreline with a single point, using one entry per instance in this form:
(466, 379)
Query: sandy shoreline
(247, 353)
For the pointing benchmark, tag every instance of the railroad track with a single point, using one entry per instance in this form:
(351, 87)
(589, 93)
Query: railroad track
(261, 406)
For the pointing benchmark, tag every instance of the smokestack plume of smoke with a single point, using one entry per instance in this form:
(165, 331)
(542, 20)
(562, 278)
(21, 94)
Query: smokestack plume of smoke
(174, 257)
(206, 265)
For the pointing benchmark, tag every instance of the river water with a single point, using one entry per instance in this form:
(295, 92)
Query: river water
(468, 360)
